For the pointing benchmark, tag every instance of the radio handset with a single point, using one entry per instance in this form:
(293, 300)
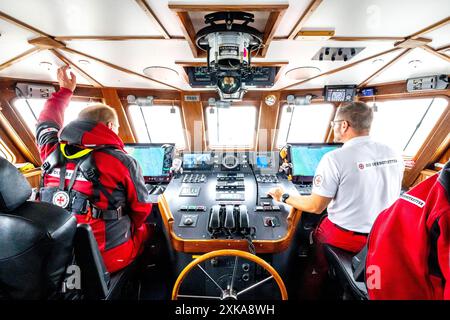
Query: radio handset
(214, 219)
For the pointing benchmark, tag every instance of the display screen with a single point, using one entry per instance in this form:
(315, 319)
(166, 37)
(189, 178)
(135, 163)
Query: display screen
(150, 158)
(262, 162)
(198, 161)
(339, 93)
(306, 158)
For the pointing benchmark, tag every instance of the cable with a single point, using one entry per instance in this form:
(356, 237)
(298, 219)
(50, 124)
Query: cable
(21, 95)
(256, 181)
(418, 125)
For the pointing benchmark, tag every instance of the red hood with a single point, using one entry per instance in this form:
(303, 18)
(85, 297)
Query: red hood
(89, 134)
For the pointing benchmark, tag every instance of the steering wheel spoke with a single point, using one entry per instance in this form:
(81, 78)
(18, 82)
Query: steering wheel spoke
(230, 292)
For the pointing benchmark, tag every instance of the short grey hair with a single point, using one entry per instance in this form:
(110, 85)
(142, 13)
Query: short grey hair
(359, 114)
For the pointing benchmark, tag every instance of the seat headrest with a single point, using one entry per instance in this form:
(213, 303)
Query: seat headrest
(14, 188)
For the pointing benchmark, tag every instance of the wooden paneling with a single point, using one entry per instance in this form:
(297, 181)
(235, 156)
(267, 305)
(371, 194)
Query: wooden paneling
(270, 29)
(433, 141)
(111, 98)
(16, 129)
(197, 246)
(21, 24)
(153, 17)
(268, 119)
(18, 58)
(313, 5)
(194, 123)
(33, 177)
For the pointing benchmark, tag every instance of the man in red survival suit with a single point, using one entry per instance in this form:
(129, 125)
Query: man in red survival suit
(354, 183)
(409, 246)
(86, 171)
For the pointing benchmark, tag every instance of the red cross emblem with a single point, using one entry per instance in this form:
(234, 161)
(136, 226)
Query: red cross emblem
(61, 199)
(318, 180)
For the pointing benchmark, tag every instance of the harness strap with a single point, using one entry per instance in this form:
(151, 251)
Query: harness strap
(433, 259)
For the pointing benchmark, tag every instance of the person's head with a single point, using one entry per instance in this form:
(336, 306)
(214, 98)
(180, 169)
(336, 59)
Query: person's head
(101, 113)
(352, 120)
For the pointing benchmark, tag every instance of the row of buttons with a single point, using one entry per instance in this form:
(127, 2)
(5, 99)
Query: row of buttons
(192, 208)
(267, 178)
(194, 178)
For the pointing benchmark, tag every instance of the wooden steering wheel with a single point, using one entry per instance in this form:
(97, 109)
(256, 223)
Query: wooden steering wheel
(229, 292)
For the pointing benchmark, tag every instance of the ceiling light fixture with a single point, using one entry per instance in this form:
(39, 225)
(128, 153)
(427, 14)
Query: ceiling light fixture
(45, 65)
(161, 73)
(377, 61)
(302, 73)
(415, 64)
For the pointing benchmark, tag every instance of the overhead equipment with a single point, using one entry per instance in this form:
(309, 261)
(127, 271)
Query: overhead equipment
(229, 42)
(438, 82)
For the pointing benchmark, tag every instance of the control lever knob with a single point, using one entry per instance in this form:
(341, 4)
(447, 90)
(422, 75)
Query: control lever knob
(229, 217)
(214, 218)
(243, 217)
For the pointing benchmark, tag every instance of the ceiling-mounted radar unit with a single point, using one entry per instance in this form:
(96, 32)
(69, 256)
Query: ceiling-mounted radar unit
(229, 42)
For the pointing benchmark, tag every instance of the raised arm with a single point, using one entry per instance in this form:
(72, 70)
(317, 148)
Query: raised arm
(51, 118)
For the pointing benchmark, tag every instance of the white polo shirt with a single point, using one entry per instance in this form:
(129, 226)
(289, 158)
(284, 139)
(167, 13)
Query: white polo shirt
(364, 177)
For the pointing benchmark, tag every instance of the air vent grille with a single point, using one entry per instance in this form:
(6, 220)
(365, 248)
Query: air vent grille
(336, 53)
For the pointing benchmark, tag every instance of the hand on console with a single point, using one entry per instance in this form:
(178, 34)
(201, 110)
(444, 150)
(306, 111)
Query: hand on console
(276, 194)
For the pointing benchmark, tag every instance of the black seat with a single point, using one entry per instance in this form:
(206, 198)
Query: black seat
(96, 282)
(340, 262)
(36, 240)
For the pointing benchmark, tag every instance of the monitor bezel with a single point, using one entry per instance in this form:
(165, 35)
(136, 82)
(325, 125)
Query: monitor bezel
(209, 167)
(160, 178)
(308, 179)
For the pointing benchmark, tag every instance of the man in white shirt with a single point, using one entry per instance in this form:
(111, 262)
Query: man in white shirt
(355, 183)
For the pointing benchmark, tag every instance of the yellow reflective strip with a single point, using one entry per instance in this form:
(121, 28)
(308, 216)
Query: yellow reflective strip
(79, 154)
(196, 256)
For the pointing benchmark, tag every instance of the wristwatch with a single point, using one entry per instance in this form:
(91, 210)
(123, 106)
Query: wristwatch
(284, 197)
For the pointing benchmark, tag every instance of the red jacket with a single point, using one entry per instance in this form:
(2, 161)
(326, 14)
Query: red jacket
(119, 173)
(409, 245)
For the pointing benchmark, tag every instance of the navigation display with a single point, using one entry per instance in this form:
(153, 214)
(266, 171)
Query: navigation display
(150, 158)
(306, 158)
(197, 161)
(263, 161)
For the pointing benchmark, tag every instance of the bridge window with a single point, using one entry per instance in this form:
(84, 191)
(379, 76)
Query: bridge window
(307, 123)
(405, 124)
(6, 153)
(158, 124)
(232, 127)
(29, 109)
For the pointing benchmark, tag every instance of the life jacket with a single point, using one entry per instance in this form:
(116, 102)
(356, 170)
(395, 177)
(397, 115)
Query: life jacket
(409, 244)
(70, 199)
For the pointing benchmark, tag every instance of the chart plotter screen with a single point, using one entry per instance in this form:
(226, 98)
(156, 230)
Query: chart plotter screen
(150, 158)
(306, 158)
(197, 161)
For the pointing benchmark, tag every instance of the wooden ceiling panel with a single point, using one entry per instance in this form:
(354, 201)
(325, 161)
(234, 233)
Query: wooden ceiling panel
(82, 17)
(441, 36)
(108, 76)
(137, 55)
(377, 18)
(13, 40)
(31, 69)
(403, 69)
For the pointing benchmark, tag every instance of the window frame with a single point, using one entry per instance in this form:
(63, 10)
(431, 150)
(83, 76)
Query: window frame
(328, 132)
(427, 95)
(9, 154)
(74, 99)
(238, 104)
(161, 103)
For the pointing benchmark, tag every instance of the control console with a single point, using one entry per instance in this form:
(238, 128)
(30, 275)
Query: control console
(223, 196)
